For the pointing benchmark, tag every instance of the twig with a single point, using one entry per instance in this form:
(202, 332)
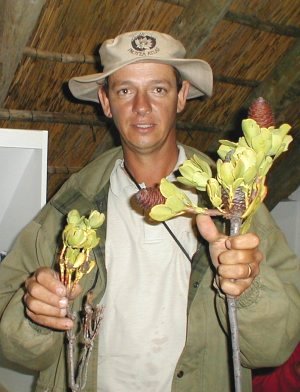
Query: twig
(70, 352)
(235, 225)
(91, 325)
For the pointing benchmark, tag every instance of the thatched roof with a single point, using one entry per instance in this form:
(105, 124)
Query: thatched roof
(253, 47)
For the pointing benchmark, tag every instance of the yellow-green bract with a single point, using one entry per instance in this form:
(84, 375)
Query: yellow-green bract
(79, 238)
(240, 176)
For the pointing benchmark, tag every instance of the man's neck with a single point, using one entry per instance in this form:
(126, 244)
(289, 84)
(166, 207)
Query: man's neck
(150, 168)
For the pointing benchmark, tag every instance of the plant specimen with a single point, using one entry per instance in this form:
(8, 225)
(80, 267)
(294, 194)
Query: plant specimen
(79, 238)
(235, 191)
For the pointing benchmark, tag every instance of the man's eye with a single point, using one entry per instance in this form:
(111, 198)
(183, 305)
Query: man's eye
(123, 91)
(160, 90)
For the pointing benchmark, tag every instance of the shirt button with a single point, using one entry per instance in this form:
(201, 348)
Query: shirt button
(196, 285)
(180, 374)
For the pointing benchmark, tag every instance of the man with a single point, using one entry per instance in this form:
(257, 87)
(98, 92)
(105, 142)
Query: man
(165, 326)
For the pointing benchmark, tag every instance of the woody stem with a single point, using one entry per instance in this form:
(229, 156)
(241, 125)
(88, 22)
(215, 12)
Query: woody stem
(70, 353)
(235, 226)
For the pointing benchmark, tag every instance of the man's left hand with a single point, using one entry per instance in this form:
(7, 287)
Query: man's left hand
(236, 259)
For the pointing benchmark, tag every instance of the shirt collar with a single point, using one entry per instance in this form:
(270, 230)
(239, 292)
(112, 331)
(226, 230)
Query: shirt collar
(121, 183)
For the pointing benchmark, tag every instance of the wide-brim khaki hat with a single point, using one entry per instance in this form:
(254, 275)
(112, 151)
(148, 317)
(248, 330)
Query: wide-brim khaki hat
(144, 46)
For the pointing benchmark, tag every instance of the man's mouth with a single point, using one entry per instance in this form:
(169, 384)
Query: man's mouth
(144, 126)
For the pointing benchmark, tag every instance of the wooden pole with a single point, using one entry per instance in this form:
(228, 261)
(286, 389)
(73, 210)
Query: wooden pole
(17, 22)
(79, 58)
(52, 117)
(63, 169)
(255, 23)
(85, 119)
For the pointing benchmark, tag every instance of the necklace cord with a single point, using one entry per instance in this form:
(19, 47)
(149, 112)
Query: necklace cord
(164, 223)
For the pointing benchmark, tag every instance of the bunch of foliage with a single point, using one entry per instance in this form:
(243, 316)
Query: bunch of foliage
(238, 187)
(79, 238)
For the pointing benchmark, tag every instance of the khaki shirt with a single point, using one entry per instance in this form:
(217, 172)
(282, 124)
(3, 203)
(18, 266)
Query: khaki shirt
(268, 312)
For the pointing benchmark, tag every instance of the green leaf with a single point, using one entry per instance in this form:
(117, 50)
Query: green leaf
(71, 254)
(214, 192)
(265, 166)
(200, 180)
(225, 172)
(228, 143)
(242, 142)
(249, 174)
(262, 143)
(239, 168)
(80, 259)
(185, 181)
(223, 150)
(167, 188)
(250, 129)
(96, 219)
(284, 145)
(187, 171)
(202, 165)
(238, 182)
(91, 241)
(161, 213)
(284, 129)
(175, 204)
(73, 217)
(76, 238)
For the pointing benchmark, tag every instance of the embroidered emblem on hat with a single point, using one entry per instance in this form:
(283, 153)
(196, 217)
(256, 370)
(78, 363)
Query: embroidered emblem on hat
(143, 42)
(143, 45)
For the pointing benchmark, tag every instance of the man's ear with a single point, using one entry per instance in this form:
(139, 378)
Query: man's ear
(103, 98)
(182, 95)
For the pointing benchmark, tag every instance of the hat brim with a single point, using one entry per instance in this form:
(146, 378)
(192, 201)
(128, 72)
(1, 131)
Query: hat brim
(196, 71)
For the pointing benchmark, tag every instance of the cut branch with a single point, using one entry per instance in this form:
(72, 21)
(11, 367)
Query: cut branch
(237, 81)
(181, 3)
(255, 23)
(79, 58)
(52, 117)
(196, 22)
(85, 119)
(17, 21)
(63, 169)
(281, 82)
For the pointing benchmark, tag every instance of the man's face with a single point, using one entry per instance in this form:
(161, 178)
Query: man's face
(143, 101)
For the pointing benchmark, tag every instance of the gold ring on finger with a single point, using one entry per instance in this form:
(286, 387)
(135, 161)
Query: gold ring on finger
(249, 270)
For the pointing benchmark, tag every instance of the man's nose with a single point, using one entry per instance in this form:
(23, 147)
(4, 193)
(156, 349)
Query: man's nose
(142, 104)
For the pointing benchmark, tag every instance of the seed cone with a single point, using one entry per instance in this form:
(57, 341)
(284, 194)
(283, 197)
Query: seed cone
(261, 111)
(237, 206)
(149, 197)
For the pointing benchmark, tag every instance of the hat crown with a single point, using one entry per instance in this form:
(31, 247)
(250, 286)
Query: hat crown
(144, 46)
(139, 46)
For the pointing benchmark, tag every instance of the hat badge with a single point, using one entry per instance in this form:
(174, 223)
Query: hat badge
(143, 42)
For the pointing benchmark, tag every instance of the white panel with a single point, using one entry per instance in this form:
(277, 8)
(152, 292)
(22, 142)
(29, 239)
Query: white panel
(23, 182)
(287, 217)
(23, 179)
(14, 378)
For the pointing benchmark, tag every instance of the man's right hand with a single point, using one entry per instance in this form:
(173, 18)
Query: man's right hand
(46, 299)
